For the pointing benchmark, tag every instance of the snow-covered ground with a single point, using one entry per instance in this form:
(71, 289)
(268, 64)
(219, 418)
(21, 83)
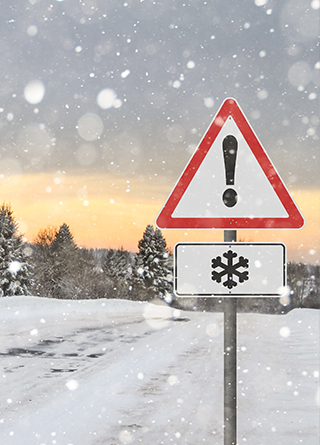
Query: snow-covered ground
(114, 372)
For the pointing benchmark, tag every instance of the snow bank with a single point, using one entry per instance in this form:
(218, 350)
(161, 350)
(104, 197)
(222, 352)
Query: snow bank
(117, 371)
(20, 307)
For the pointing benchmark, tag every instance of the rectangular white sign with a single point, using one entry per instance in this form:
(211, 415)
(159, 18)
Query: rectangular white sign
(230, 269)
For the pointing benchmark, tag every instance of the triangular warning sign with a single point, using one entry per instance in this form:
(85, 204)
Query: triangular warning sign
(230, 183)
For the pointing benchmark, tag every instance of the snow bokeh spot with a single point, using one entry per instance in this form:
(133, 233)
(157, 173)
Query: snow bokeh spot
(315, 4)
(262, 94)
(260, 2)
(285, 295)
(209, 102)
(14, 267)
(285, 332)
(285, 301)
(157, 317)
(255, 114)
(300, 74)
(312, 96)
(213, 330)
(191, 64)
(107, 98)
(27, 251)
(125, 437)
(172, 380)
(72, 384)
(34, 92)
(90, 127)
(32, 30)
(125, 74)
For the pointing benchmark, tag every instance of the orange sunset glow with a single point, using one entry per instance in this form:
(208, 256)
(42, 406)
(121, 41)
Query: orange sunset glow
(110, 211)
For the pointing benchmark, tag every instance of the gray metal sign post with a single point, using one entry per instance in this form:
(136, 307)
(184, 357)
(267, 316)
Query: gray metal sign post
(230, 361)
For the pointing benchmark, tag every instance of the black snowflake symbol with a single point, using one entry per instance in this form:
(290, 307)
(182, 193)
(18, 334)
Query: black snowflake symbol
(230, 269)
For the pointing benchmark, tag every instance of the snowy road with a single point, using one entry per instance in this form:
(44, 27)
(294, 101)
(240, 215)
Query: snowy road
(114, 372)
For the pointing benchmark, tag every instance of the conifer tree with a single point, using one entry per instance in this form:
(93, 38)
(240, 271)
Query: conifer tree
(58, 263)
(15, 268)
(43, 261)
(117, 269)
(163, 269)
(65, 264)
(90, 280)
(152, 273)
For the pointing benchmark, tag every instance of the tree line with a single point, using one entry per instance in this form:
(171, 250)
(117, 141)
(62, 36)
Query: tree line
(54, 266)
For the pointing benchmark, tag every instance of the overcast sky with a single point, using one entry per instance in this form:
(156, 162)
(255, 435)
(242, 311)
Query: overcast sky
(109, 84)
(129, 87)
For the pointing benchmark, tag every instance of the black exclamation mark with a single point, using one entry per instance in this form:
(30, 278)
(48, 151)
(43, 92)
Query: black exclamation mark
(230, 147)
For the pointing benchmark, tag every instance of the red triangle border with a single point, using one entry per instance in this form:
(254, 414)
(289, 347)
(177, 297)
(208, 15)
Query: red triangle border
(166, 221)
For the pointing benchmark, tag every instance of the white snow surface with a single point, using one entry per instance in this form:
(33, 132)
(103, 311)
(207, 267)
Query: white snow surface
(115, 372)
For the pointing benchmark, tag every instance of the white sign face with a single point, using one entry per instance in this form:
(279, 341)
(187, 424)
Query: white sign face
(256, 196)
(230, 269)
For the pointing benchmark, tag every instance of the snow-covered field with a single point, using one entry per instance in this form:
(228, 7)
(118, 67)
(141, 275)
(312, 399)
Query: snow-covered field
(115, 372)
